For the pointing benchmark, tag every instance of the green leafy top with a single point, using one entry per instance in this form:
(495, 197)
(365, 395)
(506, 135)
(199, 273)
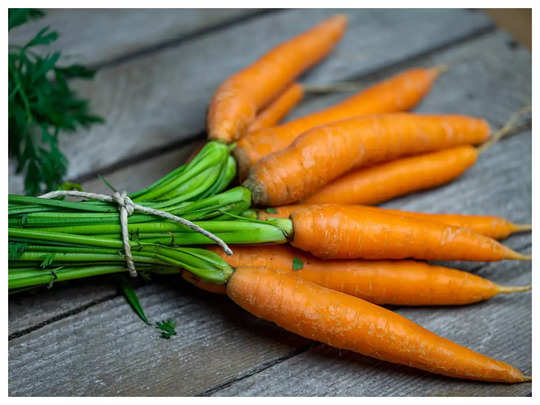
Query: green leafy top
(41, 104)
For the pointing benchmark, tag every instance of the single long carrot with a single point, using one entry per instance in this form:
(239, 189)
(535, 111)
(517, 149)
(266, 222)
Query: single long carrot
(350, 323)
(278, 108)
(354, 232)
(487, 225)
(237, 100)
(324, 153)
(398, 93)
(382, 182)
(390, 282)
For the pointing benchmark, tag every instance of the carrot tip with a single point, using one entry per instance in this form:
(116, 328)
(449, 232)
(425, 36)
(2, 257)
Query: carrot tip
(522, 227)
(527, 378)
(513, 255)
(514, 289)
(442, 68)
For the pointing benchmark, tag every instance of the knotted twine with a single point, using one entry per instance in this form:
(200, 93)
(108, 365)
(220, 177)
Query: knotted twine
(126, 206)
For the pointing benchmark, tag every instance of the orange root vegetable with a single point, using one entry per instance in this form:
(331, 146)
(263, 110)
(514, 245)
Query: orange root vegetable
(324, 153)
(355, 232)
(398, 282)
(385, 181)
(399, 93)
(379, 183)
(350, 323)
(491, 226)
(279, 108)
(238, 99)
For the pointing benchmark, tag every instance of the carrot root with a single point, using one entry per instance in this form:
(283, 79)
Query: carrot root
(513, 255)
(510, 126)
(513, 289)
(522, 227)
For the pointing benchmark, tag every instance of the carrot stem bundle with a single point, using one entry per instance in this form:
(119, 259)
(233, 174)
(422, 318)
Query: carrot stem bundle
(398, 93)
(403, 282)
(324, 153)
(491, 226)
(350, 323)
(238, 99)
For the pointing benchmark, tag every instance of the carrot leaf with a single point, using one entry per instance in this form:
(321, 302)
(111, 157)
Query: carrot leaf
(168, 328)
(131, 297)
(297, 264)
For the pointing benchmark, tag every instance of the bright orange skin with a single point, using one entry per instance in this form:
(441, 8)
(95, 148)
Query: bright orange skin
(350, 323)
(354, 232)
(278, 108)
(385, 181)
(325, 153)
(398, 93)
(491, 226)
(238, 99)
(398, 282)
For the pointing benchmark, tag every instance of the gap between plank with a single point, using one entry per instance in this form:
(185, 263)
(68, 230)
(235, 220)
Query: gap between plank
(258, 369)
(372, 74)
(170, 43)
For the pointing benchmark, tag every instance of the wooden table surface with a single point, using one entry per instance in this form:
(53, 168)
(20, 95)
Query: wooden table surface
(157, 71)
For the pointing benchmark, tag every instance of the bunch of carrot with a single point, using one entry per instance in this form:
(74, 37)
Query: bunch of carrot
(344, 258)
(362, 151)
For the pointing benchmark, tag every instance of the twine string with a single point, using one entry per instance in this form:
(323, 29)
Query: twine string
(127, 207)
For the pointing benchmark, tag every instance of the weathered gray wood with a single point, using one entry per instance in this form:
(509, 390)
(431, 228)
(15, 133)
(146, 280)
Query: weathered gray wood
(500, 183)
(98, 36)
(107, 350)
(29, 310)
(162, 98)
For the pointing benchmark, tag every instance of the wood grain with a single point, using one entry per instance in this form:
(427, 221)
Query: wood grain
(162, 98)
(99, 36)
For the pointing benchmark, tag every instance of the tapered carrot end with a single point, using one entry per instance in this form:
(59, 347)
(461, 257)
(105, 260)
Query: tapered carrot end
(440, 69)
(510, 254)
(521, 228)
(513, 289)
(527, 378)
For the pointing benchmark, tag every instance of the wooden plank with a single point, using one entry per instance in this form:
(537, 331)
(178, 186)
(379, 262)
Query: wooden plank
(98, 36)
(493, 191)
(162, 98)
(107, 350)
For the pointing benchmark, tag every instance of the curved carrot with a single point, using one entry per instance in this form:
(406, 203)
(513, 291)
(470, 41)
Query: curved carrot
(397, 282)
(350, 323)
(379, 183)
(356, 232)
(385, 181)
(237, 100)
(399, 93)
(324, 153)
(491, 226)
(279, 108)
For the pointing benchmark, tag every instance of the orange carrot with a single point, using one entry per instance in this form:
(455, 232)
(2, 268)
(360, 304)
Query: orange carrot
(397, 282)
(237, 100)
(491, 226)
(379, 183)
(279, 108)
(383, 182)
(354, 232)
(399, 93)
(324, 153)
(350, 323)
